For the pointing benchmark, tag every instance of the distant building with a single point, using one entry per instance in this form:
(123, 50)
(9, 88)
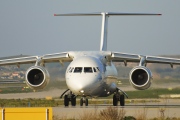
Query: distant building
(14, 75)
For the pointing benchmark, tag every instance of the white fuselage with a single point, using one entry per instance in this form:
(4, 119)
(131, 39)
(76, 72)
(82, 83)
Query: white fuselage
(90, 74)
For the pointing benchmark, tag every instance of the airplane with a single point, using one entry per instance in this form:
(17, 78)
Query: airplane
(90, 73)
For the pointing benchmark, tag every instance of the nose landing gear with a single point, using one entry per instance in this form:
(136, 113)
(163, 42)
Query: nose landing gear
(83, 100)
(70, 97)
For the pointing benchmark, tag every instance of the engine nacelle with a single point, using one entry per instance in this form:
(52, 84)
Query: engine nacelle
(140, 77)
(37, 77)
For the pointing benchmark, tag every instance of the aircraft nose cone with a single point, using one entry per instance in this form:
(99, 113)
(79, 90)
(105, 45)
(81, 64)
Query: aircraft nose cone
(81, 85)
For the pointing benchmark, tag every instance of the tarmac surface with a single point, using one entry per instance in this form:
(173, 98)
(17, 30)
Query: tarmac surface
(163, 108)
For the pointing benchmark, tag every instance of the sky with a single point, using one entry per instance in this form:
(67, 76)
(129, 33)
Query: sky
(28, 27)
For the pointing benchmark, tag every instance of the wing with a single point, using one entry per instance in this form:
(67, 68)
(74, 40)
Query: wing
(57, 57)
(18, 60)
(125, 57)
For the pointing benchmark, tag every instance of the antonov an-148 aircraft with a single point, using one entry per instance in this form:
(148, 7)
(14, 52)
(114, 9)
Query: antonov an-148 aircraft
(90, 73)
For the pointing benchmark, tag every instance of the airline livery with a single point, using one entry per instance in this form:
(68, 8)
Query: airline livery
(91, 73)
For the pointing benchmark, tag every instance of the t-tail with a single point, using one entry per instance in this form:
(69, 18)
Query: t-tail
(104, 28)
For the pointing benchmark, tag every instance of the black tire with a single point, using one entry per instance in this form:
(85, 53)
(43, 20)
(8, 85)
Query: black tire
(81, 102)
(122, 100)
(86, 102)
(115, 100)
(66, 101)
(73, 100)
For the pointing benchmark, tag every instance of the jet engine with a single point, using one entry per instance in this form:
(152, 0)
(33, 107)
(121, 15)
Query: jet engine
(140, 77)
(37, 77)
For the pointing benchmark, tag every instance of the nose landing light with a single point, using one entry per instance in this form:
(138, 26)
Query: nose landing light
(81, 91)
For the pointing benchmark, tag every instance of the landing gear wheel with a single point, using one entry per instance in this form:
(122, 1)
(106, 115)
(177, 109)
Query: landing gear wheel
(115, 100)
(73, 100)
(122, 100)
(86, 102)
(66, 101)
(81, 102)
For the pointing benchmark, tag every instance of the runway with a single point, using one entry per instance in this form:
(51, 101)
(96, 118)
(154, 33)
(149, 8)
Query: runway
(153, 108)
(164, 108)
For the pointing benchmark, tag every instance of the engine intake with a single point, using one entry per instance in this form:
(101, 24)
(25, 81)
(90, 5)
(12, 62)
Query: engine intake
(37, 77)
(140, 77)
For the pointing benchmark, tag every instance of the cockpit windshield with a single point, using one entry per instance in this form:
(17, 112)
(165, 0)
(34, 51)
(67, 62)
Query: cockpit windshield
(78, 70)
(88, 69)
(83, 69)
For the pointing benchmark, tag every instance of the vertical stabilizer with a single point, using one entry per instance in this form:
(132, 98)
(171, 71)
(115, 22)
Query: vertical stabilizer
(104, 29)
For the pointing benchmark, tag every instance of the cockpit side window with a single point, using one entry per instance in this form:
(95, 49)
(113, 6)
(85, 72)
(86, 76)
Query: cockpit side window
(98, 69)
(94, 69)
(71, 69)
(68, 69)
(78, 70)
(88, 70)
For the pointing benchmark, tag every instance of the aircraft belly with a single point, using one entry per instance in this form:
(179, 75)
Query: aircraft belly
(103, 88)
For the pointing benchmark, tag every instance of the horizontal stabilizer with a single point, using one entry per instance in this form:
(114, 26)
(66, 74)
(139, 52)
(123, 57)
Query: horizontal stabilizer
(107, 13)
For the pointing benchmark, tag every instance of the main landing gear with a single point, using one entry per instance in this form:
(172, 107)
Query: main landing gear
(119, 97)
(70, 97)
(67, 99)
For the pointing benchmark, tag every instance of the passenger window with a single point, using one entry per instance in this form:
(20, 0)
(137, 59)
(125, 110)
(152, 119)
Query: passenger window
(78, 70)
(88, 70)
(94, 69)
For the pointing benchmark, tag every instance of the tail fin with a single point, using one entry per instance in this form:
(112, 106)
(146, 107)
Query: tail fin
(105, 15)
